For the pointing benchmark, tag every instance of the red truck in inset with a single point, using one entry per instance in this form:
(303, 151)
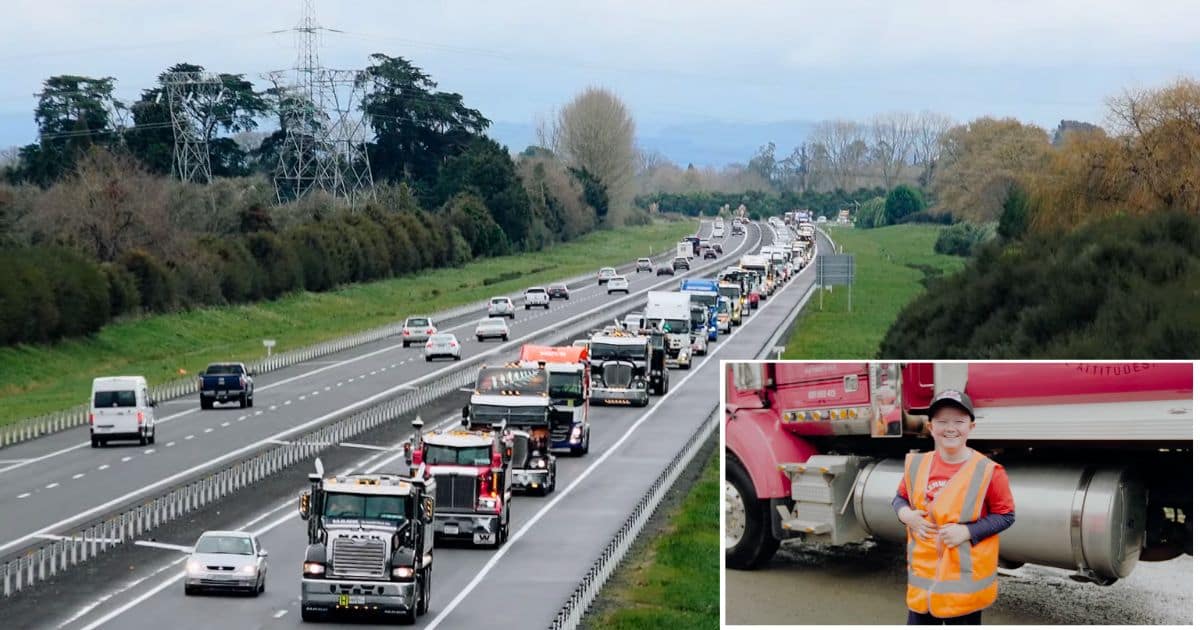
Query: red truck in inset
(1098, 455)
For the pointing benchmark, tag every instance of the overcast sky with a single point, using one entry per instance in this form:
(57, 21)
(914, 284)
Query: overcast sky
(752, 61)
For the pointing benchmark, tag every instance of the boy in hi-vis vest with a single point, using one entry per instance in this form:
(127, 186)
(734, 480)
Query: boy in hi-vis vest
(954, 502)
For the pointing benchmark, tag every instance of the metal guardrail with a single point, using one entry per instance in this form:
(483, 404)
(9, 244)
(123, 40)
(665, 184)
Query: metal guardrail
(88, 542)
(38, 426)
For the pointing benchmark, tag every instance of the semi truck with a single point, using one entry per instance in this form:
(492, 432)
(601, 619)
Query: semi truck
(704, 292)
(567, 367)
(517, 397)
(619, 365)
(370, 544)
(474, 482)
(1098, 456)
(671, 313)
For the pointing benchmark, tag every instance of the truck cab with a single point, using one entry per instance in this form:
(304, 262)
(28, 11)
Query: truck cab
(370, 545)
(704, 293)
(671, 313)
(567, 367)
(619, 366)
(517, 397)
(474, 483)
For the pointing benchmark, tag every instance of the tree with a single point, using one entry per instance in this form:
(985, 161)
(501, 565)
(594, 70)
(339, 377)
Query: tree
(763, 163)
(928, 129)
(485, 169)
(594, 134)
(891, 144)
(843, 146)
(73, 113)
(416, 128)
(982, 160)
(1066, 127)
(1015, 218)
(902, 201)
(1159, 132)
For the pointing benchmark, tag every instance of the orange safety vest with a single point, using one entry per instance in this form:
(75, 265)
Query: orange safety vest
(950, 581)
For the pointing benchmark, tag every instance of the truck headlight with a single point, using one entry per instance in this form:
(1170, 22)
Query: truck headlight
(402, 573)
(314, 568)
(539, 463)
(576, 433)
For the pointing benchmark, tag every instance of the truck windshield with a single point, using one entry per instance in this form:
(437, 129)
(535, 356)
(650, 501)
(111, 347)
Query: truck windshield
(612, 352)
(730, 292)
(566, 385)
(676, 326)
(342, 505)
(458, 455)
(699, 317)
(221, 368)
(706, 299)
(124, 398)
(486, 414)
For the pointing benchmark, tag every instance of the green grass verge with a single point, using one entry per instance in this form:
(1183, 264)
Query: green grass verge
(40, 379)
(677, 585)
(890, 264)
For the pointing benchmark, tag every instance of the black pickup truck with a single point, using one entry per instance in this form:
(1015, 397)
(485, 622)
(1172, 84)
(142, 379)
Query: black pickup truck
(226, 382)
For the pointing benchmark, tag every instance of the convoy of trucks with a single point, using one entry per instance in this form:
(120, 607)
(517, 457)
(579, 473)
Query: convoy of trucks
(1098, 456)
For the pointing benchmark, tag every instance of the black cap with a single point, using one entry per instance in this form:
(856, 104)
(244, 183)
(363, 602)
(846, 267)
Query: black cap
(951, 397)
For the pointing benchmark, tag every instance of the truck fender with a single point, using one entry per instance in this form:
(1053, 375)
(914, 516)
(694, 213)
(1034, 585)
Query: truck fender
(315, 553)
(756, 438)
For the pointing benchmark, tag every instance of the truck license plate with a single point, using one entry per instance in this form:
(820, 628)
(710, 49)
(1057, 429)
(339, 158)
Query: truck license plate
(485, 539)
(450, 530)
(351, 600)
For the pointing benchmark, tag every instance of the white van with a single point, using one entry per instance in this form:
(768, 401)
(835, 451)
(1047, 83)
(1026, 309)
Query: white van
(121, 410)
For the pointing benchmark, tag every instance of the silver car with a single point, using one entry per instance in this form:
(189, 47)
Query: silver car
(491, 327)
(416, 330)
(501, 307)
(618, 283)
(226, 561)
(443, 345)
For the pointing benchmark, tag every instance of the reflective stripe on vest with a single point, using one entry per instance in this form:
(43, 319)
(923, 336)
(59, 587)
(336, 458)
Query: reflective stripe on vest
(942, 581)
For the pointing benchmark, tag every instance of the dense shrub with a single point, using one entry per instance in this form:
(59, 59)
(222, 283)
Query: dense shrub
(963, 238)
(1121, 288)
(153, 280)
(902, 201)
(47, 293)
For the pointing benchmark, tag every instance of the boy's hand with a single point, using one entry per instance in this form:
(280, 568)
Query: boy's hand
(954, 534)
(915, 520)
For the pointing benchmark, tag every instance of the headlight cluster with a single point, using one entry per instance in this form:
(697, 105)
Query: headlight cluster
(402, 573)
(194, 566)
(539, 463)
(314, 568)
(488, 503)
(249, 569)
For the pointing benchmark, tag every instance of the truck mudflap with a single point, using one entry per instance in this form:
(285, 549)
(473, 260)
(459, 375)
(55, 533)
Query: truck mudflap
(480, 529)
(614, 396)
(349, 597)
(758, 441)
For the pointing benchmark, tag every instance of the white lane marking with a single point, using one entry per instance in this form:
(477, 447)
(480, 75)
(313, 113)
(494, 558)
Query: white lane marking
(258, 413)
(287, 402)
(102, 467)
(240, 418)
(287, 505)
(77, 475)
(302, 396)
(339, 383)
(373, 373)
(366, 446)
(189, 437)
(224, 424)
(148, 451)
(208, 430)
(125, 459)
(327, 388)
(158, 545)
(170, 444)
(271, 408)
(279, 613)
(52, 485)
(12, 461)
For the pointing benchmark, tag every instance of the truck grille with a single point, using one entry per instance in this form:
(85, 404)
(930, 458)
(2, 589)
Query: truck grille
(618, 374)
(456, 492)
(358, 557)
(560, 426)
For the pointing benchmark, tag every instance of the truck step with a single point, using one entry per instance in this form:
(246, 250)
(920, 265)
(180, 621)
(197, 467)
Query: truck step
(807, 527)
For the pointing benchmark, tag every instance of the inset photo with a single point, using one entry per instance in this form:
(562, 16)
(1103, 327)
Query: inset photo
(957, 493)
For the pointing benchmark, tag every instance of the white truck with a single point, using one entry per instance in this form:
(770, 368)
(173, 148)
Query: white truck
(683, 250)
(672, 313)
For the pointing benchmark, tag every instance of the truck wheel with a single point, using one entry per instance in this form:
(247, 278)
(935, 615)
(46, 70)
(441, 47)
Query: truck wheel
(427, 591)
(587, 442)
(749, 543)
(527, 307)
(205, 404)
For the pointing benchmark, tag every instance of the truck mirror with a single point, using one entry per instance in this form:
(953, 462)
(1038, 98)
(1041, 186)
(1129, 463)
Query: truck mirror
(466, 412)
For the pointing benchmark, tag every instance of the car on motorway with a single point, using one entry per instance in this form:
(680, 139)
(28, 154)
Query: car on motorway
(681, 263)
(416, 330)
(537, 296)
(491, 328)
(225, 382)
(717, 248)
(618, 283)
(121, 409)
(644, 264)
(226, 561)
(501, 306)
(708, 253)
(604, 275)
(558, 291)
(665, 269)
(443, 345)
(822, 220)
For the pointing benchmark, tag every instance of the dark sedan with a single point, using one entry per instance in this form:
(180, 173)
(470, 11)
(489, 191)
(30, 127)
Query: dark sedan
(558, 291)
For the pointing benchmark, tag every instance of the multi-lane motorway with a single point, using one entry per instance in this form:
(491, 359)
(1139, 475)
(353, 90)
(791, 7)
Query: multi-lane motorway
(58, 482)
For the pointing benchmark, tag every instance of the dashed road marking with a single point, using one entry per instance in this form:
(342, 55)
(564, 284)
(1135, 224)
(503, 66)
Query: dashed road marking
(23, 495)
(102, 467)
(52, 485)
(77, 475)
(208, 430)
(189, 437)
(287, 402)
(224, 424)
(125, 459)
(170, 444)
(147, 451)
(279, 613)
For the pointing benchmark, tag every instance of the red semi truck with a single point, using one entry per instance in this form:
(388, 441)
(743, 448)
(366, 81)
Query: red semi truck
(1098, 456)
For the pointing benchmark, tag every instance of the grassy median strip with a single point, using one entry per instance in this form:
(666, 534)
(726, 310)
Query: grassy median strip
(890, 265)
(677, 583)
(40, 379)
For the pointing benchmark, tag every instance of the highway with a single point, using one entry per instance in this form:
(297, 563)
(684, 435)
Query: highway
(58, 482)
(555, 539)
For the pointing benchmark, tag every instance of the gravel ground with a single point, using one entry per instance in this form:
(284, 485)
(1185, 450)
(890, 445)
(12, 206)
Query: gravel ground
(865, 585)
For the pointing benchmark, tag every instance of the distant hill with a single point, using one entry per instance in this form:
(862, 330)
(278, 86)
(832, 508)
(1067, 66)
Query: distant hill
(709, 143)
